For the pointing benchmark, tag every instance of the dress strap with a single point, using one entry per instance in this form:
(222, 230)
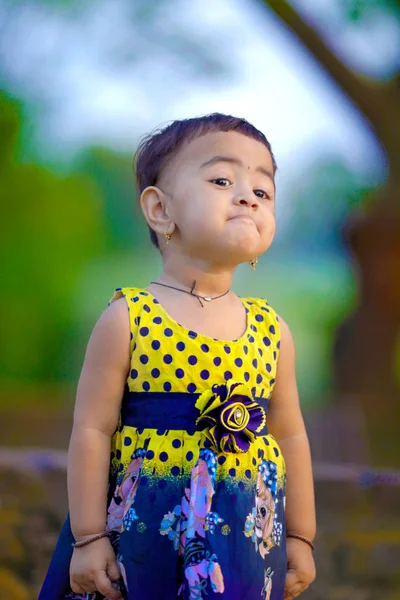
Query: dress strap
(134, 301)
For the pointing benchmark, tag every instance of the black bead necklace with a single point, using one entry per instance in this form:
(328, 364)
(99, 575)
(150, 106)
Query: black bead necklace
(199, 298)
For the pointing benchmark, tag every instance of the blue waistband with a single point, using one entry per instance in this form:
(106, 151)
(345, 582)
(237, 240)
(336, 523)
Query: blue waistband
(166, 410)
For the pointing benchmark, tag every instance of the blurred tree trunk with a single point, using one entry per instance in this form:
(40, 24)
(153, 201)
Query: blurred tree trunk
(365, 347)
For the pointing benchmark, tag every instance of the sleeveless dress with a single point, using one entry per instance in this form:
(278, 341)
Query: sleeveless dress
(196, 500)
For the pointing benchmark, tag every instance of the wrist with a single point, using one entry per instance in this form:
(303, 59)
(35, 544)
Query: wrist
(82, 536)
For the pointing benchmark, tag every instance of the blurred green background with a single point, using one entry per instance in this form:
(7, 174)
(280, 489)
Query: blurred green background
(80, 83)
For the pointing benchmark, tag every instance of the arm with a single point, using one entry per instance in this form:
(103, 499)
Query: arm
(285, 423)
(99, 393)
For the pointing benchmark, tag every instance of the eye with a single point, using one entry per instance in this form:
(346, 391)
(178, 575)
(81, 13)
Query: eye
(264, 196)
(220, 179)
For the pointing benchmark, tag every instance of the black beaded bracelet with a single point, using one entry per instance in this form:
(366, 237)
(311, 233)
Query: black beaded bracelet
(294, 534)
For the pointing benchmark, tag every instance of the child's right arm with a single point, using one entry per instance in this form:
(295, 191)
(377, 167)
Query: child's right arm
(98, 401)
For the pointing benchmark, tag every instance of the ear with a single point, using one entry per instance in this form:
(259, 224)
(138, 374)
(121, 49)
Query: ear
(155, 210)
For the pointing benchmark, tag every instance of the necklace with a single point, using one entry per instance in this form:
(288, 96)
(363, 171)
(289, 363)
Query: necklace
(199, 298)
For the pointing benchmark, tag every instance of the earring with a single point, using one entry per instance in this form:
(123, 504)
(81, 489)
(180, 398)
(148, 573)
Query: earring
(168, 237)
(253, 263)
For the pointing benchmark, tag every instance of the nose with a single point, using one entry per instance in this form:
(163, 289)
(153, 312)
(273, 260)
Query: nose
(247, 200)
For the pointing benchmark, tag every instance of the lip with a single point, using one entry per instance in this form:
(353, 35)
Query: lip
(244, 218)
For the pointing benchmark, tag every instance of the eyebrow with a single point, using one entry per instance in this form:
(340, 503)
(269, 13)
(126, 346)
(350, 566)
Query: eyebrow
(236, 161)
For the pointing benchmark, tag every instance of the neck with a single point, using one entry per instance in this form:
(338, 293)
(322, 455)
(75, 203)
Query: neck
(210, 281)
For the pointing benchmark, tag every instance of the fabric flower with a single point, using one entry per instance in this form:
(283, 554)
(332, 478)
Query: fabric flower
(230, 417)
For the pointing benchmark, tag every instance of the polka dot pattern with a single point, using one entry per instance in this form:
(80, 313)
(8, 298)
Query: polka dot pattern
(167, 357)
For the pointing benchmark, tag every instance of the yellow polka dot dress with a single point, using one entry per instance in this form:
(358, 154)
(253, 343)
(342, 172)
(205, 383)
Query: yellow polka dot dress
(196, 503)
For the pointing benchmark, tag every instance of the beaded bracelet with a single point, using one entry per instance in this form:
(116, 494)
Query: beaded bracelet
(92, 539)
(300, 537)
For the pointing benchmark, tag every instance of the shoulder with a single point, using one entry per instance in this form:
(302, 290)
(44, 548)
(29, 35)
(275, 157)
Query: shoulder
(265, 316)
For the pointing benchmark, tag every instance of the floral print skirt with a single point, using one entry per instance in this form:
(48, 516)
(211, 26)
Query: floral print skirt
(187, 520)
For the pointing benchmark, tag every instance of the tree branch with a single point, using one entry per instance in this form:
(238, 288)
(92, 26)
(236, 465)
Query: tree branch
(372, 98)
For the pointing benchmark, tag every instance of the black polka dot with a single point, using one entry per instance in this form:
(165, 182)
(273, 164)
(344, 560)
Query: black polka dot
(268, 367)
(245, 349)
(191, 388)
(259, 379)
(180, 346)
(265, 440)
(248, 473)
(272, 329)
(131, 335)
(260, 352)
(217, 361)
(146, 386)
(134, 374)
(180, 373)
(278, 345)
(205, 348)
(266, 341)
(144, 359)
(137, 320)
(204, 374)
(155, 301)
(237, 462)
(143, 293)
(155, 373)
(155, 344)
(253, 391)
(163, 457)
(227, 349)
(253, 327)
(175, 471)
(134, 346)
(176, 443)
(192, 360)
(250, 338)
(144, 331)
(167, 386)
(272, 381)
(146, 307)
(167, 359)
(192, 334)
(127, 440)
(168, 332)
(135, 299)
(254, 461)
(227, 375)
(238, 362)
(276, 451)
(259, 318)
(246, 376)
(274, 355)
(221, 459)
(189, 456)
(149, 454)
(232, 472)
(254, 362)
(118, 454)
(157, 320)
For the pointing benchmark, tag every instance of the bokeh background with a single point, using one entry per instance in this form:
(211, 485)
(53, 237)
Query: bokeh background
(80, 83)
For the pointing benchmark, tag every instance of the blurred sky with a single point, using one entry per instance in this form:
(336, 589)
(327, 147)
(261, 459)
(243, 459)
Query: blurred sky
(110, 70)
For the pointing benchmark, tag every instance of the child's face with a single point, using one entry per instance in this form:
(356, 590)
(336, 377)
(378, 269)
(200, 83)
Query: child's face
(224, 211)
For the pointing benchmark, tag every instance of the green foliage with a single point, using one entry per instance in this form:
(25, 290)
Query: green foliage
(50, 227)
(359, 10)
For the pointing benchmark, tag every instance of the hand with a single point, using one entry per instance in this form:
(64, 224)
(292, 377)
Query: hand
(301, 568)
(94, 568)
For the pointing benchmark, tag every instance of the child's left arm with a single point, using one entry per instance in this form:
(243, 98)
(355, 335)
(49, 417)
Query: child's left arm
(285, 422)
